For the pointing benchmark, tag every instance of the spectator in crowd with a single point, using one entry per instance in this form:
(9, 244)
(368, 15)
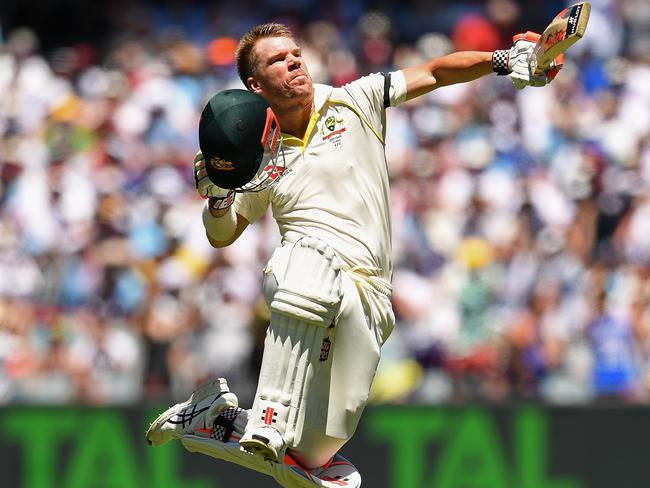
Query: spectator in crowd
(521, 237)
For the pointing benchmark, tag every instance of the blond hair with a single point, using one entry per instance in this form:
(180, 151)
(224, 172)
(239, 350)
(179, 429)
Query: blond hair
(245, 55)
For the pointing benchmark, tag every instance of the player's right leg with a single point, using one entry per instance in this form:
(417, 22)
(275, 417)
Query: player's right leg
(199, 411)
(302, 314)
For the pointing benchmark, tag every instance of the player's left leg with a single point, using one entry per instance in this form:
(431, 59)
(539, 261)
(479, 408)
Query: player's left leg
(337, 473)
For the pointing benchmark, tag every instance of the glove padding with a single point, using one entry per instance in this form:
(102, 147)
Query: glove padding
(521, 72)
(220, 198)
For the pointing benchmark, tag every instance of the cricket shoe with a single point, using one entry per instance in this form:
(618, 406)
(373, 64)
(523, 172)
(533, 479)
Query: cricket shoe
(265, 441)
(336, 473)
(197, 413)
(340, 472)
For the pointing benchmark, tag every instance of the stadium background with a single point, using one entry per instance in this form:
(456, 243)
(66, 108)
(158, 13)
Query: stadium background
(521, 355)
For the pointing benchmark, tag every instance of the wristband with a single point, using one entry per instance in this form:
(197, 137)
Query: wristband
(219, 228)
(500, 62)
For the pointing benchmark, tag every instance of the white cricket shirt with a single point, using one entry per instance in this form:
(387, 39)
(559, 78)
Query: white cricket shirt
(335, 182)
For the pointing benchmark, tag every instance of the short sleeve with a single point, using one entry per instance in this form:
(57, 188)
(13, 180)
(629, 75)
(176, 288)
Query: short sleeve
(397, 91)
(369, 95)
(369, 92)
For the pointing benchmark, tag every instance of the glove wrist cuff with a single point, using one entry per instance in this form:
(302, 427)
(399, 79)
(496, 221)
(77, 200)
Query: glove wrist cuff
(222, 203)
(500, 62)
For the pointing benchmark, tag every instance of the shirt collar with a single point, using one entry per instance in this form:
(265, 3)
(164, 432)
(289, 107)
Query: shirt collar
(321, 95)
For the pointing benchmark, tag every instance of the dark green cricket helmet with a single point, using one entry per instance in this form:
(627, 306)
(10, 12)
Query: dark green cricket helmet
(240, 140)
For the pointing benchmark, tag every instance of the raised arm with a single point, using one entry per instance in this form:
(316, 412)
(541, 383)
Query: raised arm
(463, 66)
(446, 70)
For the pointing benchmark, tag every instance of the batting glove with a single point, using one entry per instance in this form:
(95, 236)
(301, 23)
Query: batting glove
(516, 62)
(220, 198)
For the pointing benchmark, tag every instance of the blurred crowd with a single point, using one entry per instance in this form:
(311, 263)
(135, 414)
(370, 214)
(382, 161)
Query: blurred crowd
(521, 218)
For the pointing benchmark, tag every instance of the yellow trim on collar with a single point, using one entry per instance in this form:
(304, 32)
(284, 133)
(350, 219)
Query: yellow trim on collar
(290, 140)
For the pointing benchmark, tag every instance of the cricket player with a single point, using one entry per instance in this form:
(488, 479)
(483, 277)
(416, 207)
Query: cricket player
(328, 285)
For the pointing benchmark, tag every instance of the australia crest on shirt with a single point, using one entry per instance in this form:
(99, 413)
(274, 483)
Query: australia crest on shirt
(332, 130)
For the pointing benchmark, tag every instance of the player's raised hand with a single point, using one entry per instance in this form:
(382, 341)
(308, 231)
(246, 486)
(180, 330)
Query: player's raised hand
(522, 72)
(220, 198)
(516, 62)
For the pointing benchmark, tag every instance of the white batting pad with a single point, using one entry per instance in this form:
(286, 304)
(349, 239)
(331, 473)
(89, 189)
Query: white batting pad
(227, 451)
(340, 472)
(303, 308)
(310, 290)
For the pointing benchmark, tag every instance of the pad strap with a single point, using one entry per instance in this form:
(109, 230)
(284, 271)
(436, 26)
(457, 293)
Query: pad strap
(314, 310)
(224, 424)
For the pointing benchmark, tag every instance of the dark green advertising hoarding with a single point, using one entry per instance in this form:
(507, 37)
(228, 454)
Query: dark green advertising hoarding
(527, 447)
